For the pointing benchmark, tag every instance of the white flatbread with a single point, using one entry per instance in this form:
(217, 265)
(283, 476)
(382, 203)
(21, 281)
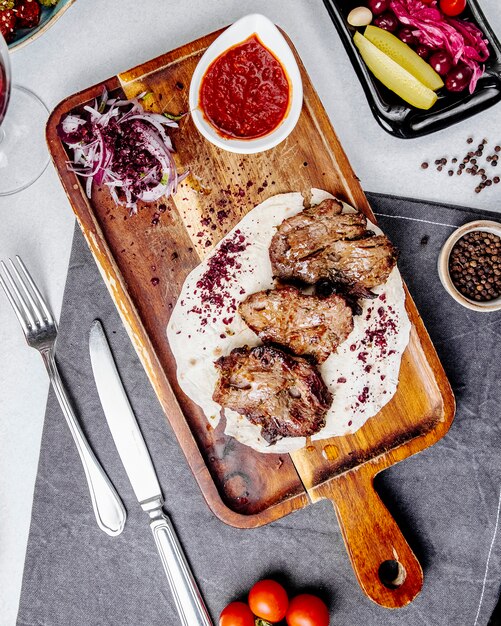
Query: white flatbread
(362, 374)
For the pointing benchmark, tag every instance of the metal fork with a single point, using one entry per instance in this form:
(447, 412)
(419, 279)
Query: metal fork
(40, 330)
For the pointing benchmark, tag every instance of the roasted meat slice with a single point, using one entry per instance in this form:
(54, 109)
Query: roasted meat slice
(321, 243)
(367, 262)
(283, 394)
(306, 324)
(304, 234)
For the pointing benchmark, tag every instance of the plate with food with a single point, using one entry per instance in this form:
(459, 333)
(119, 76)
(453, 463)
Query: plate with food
(263, 300)
(294, 326)
(423, 64)
(23, 21)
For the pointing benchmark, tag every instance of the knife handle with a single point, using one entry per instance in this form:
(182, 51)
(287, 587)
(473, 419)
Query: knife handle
(108, 508)
(189, 602)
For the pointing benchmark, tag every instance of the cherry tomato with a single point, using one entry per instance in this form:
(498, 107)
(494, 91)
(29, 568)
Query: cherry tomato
(307, 610)
(236, 614)
(452, 7)
(268, 600)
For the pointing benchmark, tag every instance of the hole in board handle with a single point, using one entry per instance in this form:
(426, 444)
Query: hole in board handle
(392, 574)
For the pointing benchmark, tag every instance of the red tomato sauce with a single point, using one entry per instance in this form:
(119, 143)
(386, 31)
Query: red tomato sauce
(245, 92)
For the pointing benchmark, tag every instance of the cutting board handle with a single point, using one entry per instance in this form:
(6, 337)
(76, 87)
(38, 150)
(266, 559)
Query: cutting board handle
(384, 564)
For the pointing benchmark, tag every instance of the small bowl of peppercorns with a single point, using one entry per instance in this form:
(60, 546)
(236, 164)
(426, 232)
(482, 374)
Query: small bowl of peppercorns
(469, 266)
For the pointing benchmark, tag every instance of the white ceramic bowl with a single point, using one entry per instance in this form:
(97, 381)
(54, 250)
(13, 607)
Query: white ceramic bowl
(272, 39)
(443, 266)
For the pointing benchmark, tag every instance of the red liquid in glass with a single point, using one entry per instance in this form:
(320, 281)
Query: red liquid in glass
(3, 91)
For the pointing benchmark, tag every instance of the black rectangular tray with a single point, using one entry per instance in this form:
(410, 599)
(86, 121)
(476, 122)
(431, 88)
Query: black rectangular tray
(397, 117)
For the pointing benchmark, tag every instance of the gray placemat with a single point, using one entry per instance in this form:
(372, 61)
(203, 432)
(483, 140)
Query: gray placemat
(446, 499)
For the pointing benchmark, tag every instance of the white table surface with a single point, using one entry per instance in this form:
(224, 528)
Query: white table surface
(95, 40)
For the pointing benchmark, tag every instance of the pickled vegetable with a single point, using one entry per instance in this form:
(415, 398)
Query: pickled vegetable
(387, 21)
(394, 76)
(441, 62)
(404, 56)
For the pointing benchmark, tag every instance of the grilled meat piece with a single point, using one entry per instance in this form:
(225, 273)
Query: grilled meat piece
(323, 243)
(304, 234)
(283, 394)
(366, 262)
(307, 325)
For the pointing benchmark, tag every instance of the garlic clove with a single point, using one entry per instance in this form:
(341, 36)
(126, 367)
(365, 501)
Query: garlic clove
(360, 16)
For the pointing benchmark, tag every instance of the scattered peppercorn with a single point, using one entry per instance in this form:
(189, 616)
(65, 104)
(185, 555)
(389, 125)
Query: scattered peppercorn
(471, 163)
(475, 266)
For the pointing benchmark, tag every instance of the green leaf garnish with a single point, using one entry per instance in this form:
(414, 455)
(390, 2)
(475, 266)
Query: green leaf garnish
(174, 118)
(147, 98)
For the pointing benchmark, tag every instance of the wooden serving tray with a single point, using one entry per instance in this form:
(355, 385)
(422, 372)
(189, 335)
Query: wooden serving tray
(167, 240)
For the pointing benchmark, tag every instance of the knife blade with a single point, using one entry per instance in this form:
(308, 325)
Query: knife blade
(139, 468)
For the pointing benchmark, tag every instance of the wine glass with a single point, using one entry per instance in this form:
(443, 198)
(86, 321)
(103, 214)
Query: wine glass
(23, 152)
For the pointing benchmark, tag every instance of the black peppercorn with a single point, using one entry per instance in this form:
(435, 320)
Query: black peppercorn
(475, 265)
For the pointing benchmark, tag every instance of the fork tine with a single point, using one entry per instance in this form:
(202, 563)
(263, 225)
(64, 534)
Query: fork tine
(14, 305)
(27, 297)
(36, 291)
(27, 312)
(35, 309)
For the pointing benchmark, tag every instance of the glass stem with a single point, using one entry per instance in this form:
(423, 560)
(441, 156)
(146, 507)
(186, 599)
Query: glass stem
(2, 135)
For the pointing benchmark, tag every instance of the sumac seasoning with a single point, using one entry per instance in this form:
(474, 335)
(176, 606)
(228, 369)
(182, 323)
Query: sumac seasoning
(223, 269)
(475, 266)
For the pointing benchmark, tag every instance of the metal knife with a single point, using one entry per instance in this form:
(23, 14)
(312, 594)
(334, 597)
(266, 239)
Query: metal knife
(137, 463)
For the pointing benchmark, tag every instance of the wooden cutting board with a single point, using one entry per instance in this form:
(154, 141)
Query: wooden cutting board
(144, 260)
